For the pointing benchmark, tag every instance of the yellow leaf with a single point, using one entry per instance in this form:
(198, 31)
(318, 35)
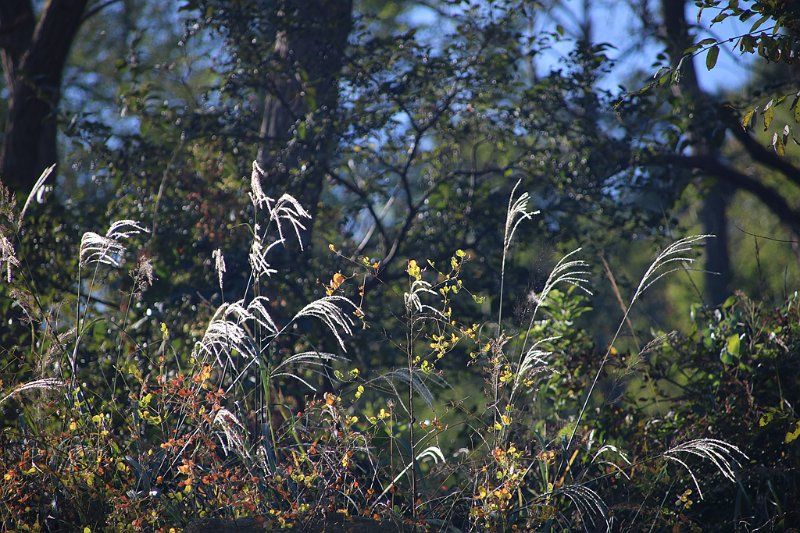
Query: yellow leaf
(748, 118)
(335, 283)
(793, 435)
(414, 270)
(780, 148)
(769, 114)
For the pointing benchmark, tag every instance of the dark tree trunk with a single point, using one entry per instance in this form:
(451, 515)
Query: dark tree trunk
(704, 143)
(297, 126)
(34, 55)
(715, 222)
(298, 129)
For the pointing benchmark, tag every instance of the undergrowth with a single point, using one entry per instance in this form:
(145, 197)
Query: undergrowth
(154, 433)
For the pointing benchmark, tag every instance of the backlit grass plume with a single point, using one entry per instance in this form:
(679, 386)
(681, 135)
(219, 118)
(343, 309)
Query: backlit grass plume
(108, 249)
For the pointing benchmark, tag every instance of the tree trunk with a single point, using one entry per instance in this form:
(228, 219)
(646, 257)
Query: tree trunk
(297, 130)
(34, 58)
(715, 222)
(713, 218)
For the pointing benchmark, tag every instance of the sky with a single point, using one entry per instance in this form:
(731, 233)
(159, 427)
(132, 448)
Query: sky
(614, 22)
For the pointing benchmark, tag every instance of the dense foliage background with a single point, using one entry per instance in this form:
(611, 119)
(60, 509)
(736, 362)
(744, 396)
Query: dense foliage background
(402, 128)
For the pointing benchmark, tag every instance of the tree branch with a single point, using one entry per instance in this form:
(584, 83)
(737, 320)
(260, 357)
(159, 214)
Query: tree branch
(712, 166)
(757, 151)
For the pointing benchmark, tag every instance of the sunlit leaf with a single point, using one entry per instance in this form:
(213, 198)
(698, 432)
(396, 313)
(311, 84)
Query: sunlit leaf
(733, 344)
(769, 114)
(748, 118)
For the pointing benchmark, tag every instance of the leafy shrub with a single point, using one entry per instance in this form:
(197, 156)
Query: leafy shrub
(102, 427)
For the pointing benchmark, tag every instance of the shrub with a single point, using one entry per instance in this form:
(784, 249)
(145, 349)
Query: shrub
(154, 432)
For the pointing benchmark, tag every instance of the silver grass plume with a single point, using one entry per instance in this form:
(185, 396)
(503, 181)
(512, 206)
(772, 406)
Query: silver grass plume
(431, 452)
(227, 331)
(257, 195)
(723, 455)
(39, 384)
(618, 452)
(327, 310)
(588, 503)
(416, 378)
(412, 298)
(532, 364)
(142, 275)
(665, 263)
(38, 187)
(571, 271)
(285, 209)
(224, 335)
(257, 312)
(8, 257)
(219, 265)
(258, 256)
(232, 428)
(516, 212)
(108, 249)
(304, 359)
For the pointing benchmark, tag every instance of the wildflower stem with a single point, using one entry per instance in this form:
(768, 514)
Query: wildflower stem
(410, 350)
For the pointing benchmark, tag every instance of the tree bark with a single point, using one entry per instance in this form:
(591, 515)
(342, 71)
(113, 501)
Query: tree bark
(715, 222)
(297, 127)
(34, 55)
(713, 214)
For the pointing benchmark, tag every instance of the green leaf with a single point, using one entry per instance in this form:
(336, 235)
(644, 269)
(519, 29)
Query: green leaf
(719, 18)
(711, 58)
(729, 302)
(746, 15)
(758, 23)
(748, 44)
(748, 118)
(732, 345)
(797, 111)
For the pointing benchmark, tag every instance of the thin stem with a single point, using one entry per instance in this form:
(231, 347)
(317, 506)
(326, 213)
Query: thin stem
(410, 351)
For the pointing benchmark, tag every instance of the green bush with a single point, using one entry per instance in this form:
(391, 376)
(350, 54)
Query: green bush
(516, 422)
